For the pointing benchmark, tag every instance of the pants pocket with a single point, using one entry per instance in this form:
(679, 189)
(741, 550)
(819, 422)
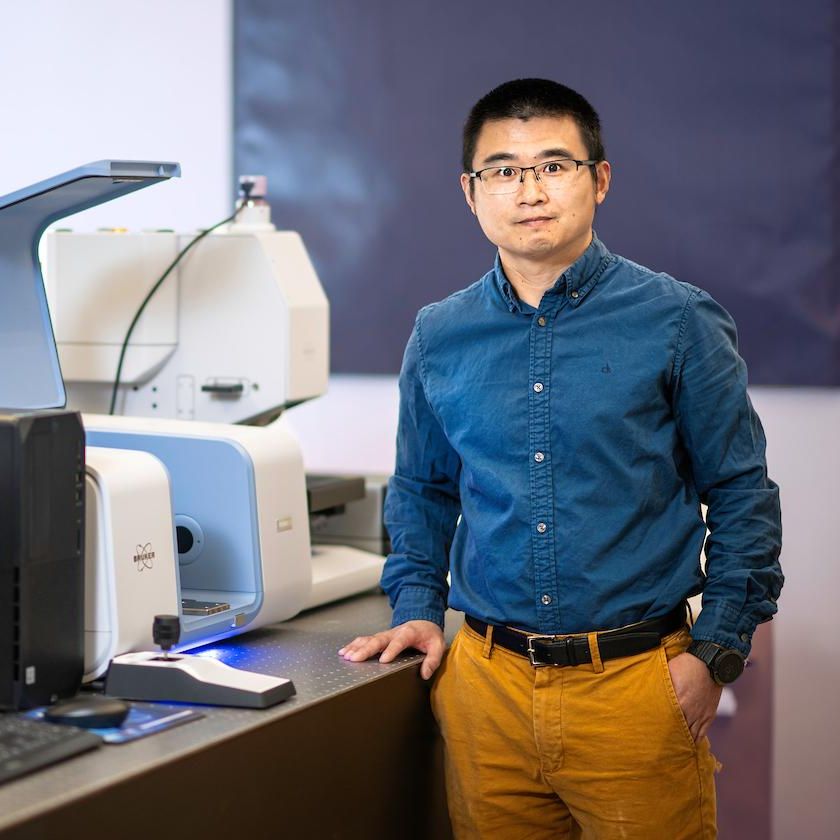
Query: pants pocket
(672, 697)
(439, 680)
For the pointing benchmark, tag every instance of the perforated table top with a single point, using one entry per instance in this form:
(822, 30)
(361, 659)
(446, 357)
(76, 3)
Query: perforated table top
(303, 649)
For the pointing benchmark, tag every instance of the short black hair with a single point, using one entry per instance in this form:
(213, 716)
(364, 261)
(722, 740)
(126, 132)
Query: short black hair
(526, 98)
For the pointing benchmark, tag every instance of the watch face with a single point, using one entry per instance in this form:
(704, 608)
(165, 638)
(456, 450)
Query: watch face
(728, 666)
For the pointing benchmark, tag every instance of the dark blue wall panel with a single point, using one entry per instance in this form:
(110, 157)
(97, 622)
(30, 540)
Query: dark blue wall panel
(720, 121)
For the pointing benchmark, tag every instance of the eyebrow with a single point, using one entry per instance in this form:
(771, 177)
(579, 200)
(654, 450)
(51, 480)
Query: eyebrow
(545, 154)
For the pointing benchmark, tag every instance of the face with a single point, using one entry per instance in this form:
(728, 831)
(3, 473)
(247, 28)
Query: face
(534, 224)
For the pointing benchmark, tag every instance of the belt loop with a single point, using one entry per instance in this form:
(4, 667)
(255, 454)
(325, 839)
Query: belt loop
(595, 652)
(488, 642)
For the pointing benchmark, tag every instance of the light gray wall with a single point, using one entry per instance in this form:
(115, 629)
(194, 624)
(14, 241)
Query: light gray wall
(803, 454)
(93, 79)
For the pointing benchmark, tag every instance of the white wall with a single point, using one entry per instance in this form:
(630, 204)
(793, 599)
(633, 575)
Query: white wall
(91, 79)
(803, 455)
(352, 428)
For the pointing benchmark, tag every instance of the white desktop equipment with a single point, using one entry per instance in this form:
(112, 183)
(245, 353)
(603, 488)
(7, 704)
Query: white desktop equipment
(238, 332)
(185, 678)
(190, 679)
(341, 570)
(130, 566)
(239, 511)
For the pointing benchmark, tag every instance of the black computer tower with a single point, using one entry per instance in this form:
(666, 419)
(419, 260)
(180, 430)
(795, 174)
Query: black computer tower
(42, 486)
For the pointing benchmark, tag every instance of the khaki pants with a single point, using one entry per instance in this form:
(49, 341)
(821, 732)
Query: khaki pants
(596, 751)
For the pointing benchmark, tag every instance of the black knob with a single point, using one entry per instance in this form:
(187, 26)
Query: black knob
(166, 631)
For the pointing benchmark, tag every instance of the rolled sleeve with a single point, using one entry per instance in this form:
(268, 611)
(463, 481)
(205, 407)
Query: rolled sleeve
(422, 504)
(725, 443)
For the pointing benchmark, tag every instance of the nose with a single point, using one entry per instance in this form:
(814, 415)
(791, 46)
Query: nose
(531, 188)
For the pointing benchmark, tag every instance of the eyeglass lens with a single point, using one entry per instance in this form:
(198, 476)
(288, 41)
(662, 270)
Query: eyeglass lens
(552, 174)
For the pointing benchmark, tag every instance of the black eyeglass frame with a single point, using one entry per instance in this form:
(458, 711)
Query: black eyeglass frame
(524, 169)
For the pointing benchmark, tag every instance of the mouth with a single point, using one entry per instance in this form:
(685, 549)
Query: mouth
(535, 221)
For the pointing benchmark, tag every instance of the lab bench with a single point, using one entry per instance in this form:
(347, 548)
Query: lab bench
(354, 754)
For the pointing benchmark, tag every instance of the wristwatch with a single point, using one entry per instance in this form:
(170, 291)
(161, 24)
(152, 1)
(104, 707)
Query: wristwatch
(724, 664)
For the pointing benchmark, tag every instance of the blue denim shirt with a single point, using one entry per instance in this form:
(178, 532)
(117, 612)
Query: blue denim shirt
(576, 442)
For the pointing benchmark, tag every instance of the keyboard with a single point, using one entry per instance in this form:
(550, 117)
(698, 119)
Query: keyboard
(27, 745)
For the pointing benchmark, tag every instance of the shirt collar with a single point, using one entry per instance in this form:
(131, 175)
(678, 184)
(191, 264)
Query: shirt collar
(575, 282)
(503, 284)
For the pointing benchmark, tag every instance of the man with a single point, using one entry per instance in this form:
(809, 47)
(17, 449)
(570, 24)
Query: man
(574, 409)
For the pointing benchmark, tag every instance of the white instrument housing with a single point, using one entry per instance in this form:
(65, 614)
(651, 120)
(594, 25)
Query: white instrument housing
(245, 489)
(239, 330)
(130, 566)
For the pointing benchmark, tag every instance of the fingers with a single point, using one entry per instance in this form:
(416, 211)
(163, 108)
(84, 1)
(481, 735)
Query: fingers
(424, 636)
(395, 647)
(433, 648)
(704, 729)
(367, 647)
(432, 661)
(363, 647)
(699, 728)
(390, 644)
(357, 642)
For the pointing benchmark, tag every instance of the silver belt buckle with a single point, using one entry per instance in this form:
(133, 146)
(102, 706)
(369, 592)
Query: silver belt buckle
(531, 651)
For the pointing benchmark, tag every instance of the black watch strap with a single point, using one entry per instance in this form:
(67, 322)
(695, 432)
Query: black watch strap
(724, 664)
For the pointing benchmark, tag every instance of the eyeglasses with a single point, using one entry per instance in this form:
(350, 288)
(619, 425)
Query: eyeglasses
(552, 174)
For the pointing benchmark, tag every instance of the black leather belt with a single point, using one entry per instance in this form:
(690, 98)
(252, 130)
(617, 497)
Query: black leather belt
(574, 650)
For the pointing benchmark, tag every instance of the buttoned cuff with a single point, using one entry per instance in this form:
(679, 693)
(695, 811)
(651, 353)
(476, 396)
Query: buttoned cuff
(418, 603)
(725, 626)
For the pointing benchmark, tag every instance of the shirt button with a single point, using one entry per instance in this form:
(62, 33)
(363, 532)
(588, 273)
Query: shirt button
(546, 599)
(538, 386)
(744, 637)
(542, 527)
(539, 457)
(575, 293)
(541, 320)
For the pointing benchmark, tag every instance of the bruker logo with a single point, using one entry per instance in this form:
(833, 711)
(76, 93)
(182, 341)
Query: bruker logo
(144, 557)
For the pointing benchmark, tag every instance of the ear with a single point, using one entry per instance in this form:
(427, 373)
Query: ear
(603, 172)
(467, 187)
